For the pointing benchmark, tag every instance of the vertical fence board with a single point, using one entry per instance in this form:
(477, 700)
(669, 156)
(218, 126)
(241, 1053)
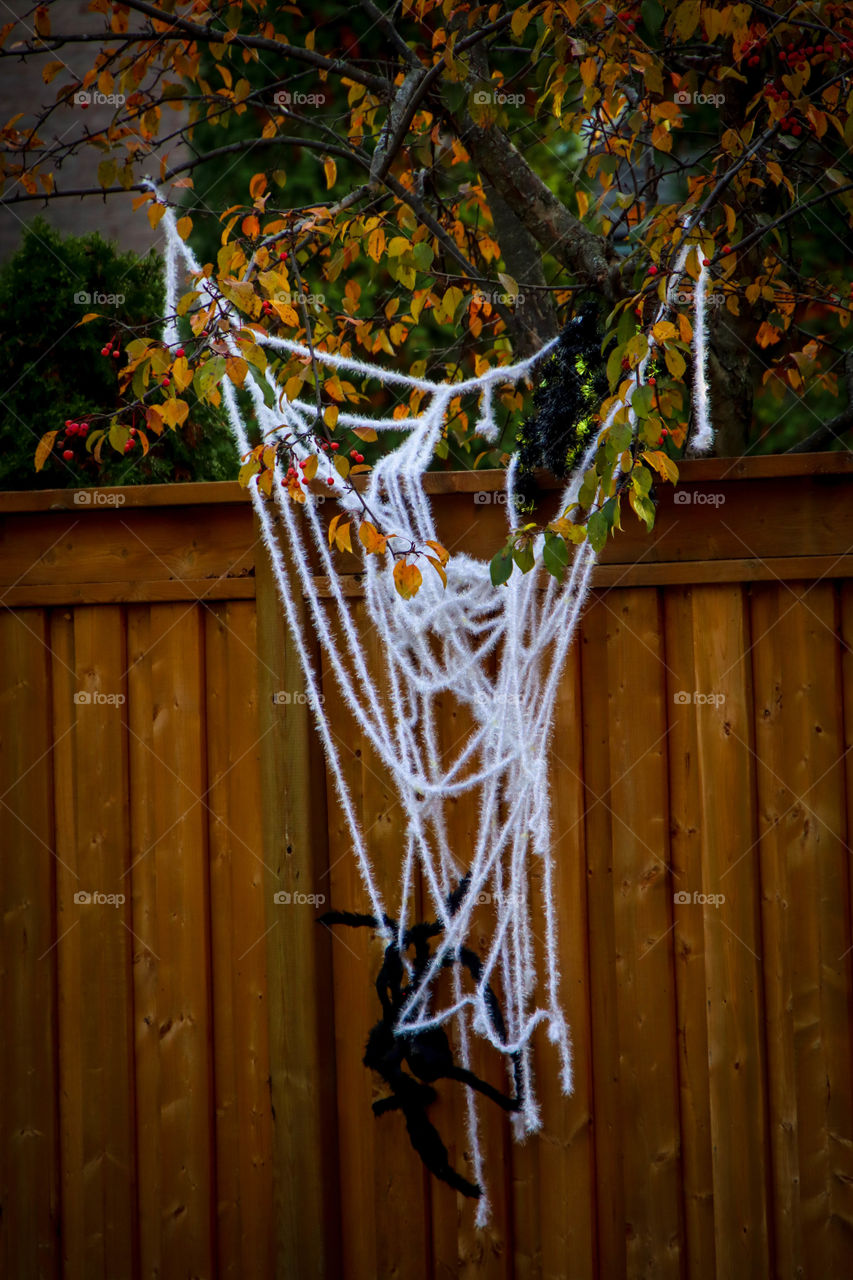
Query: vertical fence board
(356, 957)
(245, 1227)
(555, 1217)
(171, 922)
(97, 1116)
(726, 769)
(29, 1155)
(686, 845)
(629, 709)
(299, 984)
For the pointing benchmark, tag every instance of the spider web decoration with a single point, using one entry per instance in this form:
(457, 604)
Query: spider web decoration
(441, 642)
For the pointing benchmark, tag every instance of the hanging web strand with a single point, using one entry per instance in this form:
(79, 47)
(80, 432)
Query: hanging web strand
(499, 653)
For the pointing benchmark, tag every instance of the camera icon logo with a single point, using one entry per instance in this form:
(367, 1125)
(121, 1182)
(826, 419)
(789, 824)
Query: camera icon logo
(82, 898)
(82, 299)
(282, 98)
(482, 499)
(282, 898)
(484, 898)
(82, 498)
(682, 497)
(681, 898)
(482, 97)
(682, 698)
(82, 698)
(683, 98)
(82, 98)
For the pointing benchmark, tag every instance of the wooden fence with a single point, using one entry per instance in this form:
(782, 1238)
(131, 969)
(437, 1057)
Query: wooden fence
(181, 1087)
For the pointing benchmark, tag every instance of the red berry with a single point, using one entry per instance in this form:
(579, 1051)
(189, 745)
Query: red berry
(116, 355)
(105, 351)
(653, 270)
(783, 57)
(797, 130)
(284, 484)
(68, 422)
(128, 446)
(727, 248)
(665, 431)
(68, 454)
(706, 262)
(282, 257)
(324, 446)
(334, 445)
(754, 60)
(331, 480)
(179, 352)
(653, 382)
(165, 382)
(353, 453)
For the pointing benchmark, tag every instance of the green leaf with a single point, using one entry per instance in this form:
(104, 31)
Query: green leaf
(523, 556)
(601, 522)
(642, 400)
(423, 256)
(500, 568)
(555, 555)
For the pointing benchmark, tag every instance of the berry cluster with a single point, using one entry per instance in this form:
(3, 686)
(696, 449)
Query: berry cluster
(109, 350)
(71, 429)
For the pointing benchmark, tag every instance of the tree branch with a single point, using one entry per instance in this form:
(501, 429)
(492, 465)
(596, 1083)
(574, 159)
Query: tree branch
(829, 431)
(197, 32)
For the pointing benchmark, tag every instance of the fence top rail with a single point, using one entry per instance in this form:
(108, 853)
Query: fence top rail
(692, 471)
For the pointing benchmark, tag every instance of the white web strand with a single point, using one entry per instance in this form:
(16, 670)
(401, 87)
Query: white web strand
(498, 653)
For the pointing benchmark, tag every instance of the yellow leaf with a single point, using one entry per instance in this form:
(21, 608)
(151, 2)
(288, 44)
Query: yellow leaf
(182, 373)
(664, 330)
(398, 246)
(376, 243)
(330, 416)
(331, 171)
(439, 568)
(373, 542)
(155, 213)
(583, 203)
(185, 226)
(44, 447)
(439, 550)
(367, 434)
(407, 579)
(90, 315)
(174, 412)
(675, 362)
(257, 186)
(588, 71)
(236, 368)
(342, 467)
(342, 537)
(265, 483)
(52, 69)
(662, 463)
(333, 524)
(309, 471)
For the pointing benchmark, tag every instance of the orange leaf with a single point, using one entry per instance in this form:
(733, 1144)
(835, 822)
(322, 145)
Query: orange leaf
(185, 226)
(407, 579)
(331, 171)
(44, 447)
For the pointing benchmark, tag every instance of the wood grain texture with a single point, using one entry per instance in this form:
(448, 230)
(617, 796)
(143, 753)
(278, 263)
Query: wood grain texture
(171, 921)
(241, 1061)
(97, 1111)
(181, 1084)
(29, 1143)
(301, 998)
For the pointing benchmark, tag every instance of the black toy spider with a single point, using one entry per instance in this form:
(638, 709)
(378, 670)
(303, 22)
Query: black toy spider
(572, 386)
(427, 1054)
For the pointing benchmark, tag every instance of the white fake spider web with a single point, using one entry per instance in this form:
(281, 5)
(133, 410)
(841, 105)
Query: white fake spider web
(499, 652)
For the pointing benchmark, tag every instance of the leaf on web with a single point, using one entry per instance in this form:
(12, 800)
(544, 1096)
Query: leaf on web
(407, 579)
